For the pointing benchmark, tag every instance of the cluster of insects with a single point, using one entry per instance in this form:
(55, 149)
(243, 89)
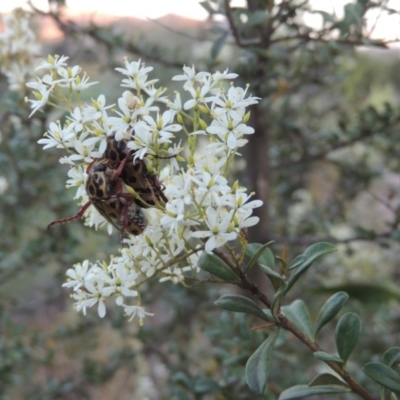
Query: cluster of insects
(106, 187)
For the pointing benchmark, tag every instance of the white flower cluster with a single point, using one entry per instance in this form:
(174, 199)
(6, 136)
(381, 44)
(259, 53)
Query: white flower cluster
(203, 211)
(19, 49)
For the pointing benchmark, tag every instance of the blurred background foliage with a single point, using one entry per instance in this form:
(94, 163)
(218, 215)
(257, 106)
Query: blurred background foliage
(324, 159)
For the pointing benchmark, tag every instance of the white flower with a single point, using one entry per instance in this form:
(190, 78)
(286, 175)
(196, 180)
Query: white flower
(77, 275)
(42, 96)
(79, 85)
(191, 77)
(53, 63)
(120, 281)
(218, 76)
(68, 75)
(234, 104)
(19, 49)
(242, 219)
(77, 178)
(199, 94)
(85, 150)
(163, 125)
(137, 75)
(132, 311)
(175, 217)
(230, 130)
(143, 140)
(155, 94)
(56, 136)
(218, 230)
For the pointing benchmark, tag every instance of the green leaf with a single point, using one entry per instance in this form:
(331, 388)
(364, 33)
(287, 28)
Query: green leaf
(311, 254)
(207, 7)
(365, 292)
(236, 303)
(328, 311)
(326, 16)
(276, 279)
(215, 266)
(297, 261)
(270, 272)
(297, 313)
(183, 379)
(218, 45)
(327, 379)
(283, 263)
(258, 252)
(276, 301)
(263, 255)
(269, 315)
(204, 385)
(391, 356)
(257, 18)
(383, 375)
(217, 30)
(347, 333)
(259, 364)
(321, 355)
(304, 390)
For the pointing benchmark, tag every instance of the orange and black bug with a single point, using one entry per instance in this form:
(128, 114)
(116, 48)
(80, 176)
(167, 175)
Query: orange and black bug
(106, 194)
(134, 173)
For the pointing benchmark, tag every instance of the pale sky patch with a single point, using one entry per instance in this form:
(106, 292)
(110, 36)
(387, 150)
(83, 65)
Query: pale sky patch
(388, 27)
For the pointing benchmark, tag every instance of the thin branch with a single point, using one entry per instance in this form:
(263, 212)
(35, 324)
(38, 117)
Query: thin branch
(305, 37)
(174, 31)
(308, 241)
(232, 25)
(354, 385)
(308, 158)
(70, 27)
(287, 325)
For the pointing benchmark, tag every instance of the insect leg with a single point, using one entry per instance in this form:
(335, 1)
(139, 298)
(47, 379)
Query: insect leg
(78, 215)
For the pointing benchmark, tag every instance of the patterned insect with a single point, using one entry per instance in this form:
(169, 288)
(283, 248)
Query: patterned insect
(134, 173)
(106, 194)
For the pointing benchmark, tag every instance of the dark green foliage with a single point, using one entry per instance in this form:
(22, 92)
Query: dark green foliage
(347, 333)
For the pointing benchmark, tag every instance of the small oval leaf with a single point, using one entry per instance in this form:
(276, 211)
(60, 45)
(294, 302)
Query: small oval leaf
(207, 7)
(383, 375)
(347, 333)
(327, 379)
(365, 292)
(218, 45)
(328, 311)
(215, 266)
(204, 385)
(236, 303)
(297, 313)
(259, 364)
(311, 254)
(259, 253)
(297, 261)
(270, 272)
(321, 355)
(318, 249)
(274, 277)
(304, 390)
(391, 356)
